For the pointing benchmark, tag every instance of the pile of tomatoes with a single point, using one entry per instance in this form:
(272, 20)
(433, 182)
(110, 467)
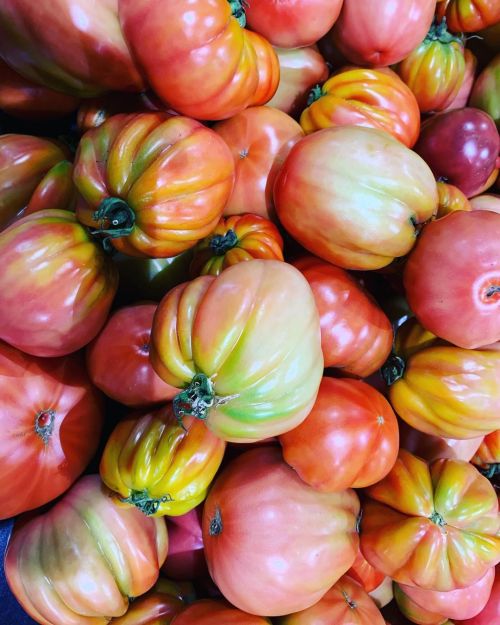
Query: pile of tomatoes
(250, 311)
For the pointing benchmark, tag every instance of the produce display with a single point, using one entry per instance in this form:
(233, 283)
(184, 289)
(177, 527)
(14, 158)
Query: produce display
(250, 312)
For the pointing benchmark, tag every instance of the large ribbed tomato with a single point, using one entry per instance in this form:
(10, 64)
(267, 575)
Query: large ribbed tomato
(209, 612)
(50, 419)
(82, 560)
(56, 284)
(373, 98)
(181, 45)
(469, 15)
(250, 365)
(436, 527)
(491, 612)
(155, 184)
(257, 508)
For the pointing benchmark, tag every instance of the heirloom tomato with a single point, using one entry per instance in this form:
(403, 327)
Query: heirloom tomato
(50, 418)
(154, 184)
(363, 572)
(356, 336)
(451, 199)
(354, 196)
(438, 284)
(159, 465)
(382, 32)
(260, 139)
(249, 364)
(74, 46)
(486, 90)
(236, 239)
(350, 438)
(205, 44)
(469, 15)
(300, 70)
(488, 454)
(256, 509)
(462, 97)
(210, 612)
(82, 560)
(186, 557)
(373, 98)
(118, 358)
(444, 516)
(486, 202)
(56, 284)
(491, 612)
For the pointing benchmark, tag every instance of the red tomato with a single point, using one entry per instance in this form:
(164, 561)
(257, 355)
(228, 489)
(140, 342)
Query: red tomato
(363, 572)
(350, 439)
(208, 612)
(491, 612)
(260, 139)
(438, 285)
(157, 607)
(292, 23)
(50, 417)
(462, 97)
(257, 508)
(469, 15)
(118, 359)
(186, 557)
(382, 32)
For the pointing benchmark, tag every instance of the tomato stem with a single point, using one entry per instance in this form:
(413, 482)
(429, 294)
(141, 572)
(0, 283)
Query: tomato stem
(439, 32)
(490, 470)
(393, 369)
(115, 218)
(222, 243)
(437, 519)
(238, 11)
(146, 504)
(44, 424)
(197, 399)
(493, 290)
(352, 604)
(215, 525)
(315, 94)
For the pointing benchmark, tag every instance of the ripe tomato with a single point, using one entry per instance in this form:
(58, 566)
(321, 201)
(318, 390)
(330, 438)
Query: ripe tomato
(363, 572)
(451, 199)
(462, 97)
(485, 94)
(469, 15)
(486, 202)
(488, 454)
(491, 612)
(157, 607)
(209, 612)
(186, 556)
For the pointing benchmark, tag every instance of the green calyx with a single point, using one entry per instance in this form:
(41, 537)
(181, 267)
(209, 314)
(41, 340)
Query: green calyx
(238, 11)
(146, 504)
(393, 369)
(44, 424)
(115, 218)
(315, 94)
(222, 243)
(493, 290)
(439, 32)
(437, 519)
(491, 470)
(215, 526)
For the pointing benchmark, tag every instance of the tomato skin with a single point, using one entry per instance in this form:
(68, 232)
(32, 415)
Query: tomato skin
(363, 573)
(345, 195)
(118, 359)
(83, 53)
(194, 38)
(172, 175)
(437, 285)
(260, 139)
(40, 315)
(254, 570)
(462, 97)
(469, 15)
(486, 90)
(491, 611)
(486, 202)
(414, 502)
(374, 33)
(365, 97)
(209, 612)
(51, 418)
(350, 439)
(489, 450)
(159, 465)
(186, 557)
(451, 199)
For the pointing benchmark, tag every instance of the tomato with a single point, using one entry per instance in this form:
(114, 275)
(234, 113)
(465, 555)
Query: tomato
(350, 438)
(486, 202)
(82, 53)
(346, 603)
(354, 196)
(249, 364)
(486, 91)
(159, 465)
(34, 174)
(292, 23)
(154, 184)
(364, 97)
(51, 418)
(444, 515)
(41, 315)
(383, 594)
(462, 97)
(209, 612)
(382, 32)
(469, 15)
(300, 70)
(118, 359)
(435, 69)
(237, 239)
(438, 285)
(256, 509)
(363, 573)
(260, 139)
(491, 612)
(451, 199)
(186, 557)
(488, 454)
(356, 336)
(207, 45)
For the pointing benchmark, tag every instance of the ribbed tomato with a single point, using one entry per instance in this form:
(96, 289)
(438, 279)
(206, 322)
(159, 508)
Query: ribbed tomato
(451, 199)
(491, 612)
(363, 572)
(154, 184)
(469, 15)
(462, 97)
(209, 612)
(157, 607)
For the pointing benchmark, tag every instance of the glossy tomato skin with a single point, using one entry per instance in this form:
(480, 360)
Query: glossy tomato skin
(159, 465)
(118, 359)
(365, 97)
(164, 179)
(246, 527)
(437, 284)
(260, 139)
(353, 195)
(210, 612)
(363, 572)
(356, 336)
(469, 15)
(82, 53)
(462, 97)
(350, 438)
(451, 199)
(488, 452)
(487, 202)
(186, 557)
(43, 316)
(491, 612)
(260, 363)
(462, 147)
(374, 32)
(486, 91)
(403, 521)
(196, 38)
(51, 419)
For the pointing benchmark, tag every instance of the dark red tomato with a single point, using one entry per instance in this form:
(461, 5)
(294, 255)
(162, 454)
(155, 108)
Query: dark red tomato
(118, 359)
(50, 419)
(186, 558)
(461, 146)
